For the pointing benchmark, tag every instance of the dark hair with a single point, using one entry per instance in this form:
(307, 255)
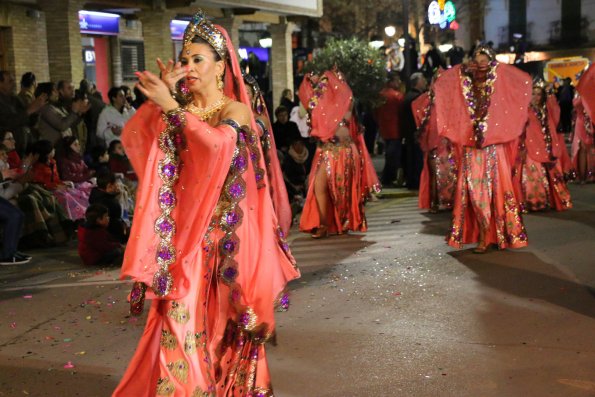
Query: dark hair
(95, 212)
(27, 80)
(80, 95)
(113, 93)
(66, 142)
(285, 92)
(126, 89)
(85, 86)
(3, 148)
(97, 151)
(112, 145)
(281, 109)
(63, 83)
(43, 148)
(45, 88)
(105, 179)
(3, 73)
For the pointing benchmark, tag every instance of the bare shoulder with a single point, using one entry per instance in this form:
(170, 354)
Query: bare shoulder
(236, 111)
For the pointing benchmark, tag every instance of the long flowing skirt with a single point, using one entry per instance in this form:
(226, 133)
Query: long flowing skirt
(342, 163)
(485, 199)
(590, 153)
(74, 201)
(443, 160)
(543, 186)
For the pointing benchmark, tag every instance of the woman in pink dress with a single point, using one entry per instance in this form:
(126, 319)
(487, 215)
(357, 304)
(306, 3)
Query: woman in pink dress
(482, 109)
(275, 182)
(438, 178)
(583, 143)
(342, 176)
(539, 176)
(207, 247)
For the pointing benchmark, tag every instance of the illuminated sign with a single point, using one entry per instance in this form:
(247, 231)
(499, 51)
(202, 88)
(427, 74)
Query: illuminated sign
(91, 22)
(89, 56)
(442, 13)
(177, 27)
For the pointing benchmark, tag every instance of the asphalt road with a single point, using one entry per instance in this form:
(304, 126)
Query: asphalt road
(393, 312)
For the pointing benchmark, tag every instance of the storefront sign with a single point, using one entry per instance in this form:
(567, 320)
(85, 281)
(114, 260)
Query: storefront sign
(177, 28)
(442, 13)
(91, 22)
(558, 69)
(89, 56)
(261, 53)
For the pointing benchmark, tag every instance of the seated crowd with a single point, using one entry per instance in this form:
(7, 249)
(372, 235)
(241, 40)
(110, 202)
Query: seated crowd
(63, 170)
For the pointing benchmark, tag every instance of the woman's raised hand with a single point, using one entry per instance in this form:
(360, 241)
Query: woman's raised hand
(155, 90)
(172, 73)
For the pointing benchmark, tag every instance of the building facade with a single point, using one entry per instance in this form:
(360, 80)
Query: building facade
(106, 41)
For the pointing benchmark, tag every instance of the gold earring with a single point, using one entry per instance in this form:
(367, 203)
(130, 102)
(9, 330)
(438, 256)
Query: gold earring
(220, 82)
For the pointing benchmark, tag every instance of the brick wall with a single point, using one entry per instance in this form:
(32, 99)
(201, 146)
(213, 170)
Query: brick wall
(157, 35)
(281, 60)
(27, 42)
(63, 39)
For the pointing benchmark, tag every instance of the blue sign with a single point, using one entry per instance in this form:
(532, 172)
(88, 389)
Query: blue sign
(261, 53)
(177, 28)
(92, 22)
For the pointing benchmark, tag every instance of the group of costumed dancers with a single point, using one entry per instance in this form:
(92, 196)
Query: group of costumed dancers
(492, 151)
(209, 241)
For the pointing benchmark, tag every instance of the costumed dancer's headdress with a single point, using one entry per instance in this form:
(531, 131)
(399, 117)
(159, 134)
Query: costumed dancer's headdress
(202, 27)
(486, 50)
(539, 83)
(257, 99)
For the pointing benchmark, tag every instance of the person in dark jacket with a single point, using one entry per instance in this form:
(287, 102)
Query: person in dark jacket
(96, 246)
(106, 193)
(284, 131)
(295, 173)
(413, 153)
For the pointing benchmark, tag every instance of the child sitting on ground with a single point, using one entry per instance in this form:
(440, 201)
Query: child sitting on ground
(96, 245)
(107, 193)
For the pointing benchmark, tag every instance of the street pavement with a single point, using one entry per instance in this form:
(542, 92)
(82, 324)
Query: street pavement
(392, 312)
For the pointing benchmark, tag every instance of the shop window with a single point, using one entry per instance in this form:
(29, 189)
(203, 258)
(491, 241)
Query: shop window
(133, 58)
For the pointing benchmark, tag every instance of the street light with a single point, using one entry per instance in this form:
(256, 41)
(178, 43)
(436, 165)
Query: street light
(401, 42)
(390, 30)
(444, 47)
(266, 41)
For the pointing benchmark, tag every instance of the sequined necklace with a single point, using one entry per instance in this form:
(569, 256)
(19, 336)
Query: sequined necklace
(541, 114)
(480, 124)
(206, 113)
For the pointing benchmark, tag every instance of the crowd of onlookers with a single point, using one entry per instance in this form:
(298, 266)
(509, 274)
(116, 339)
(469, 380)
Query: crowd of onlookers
(64, 173)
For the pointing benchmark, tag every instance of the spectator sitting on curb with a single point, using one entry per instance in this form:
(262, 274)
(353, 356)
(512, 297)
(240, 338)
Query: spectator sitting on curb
(96, 246)
(107, 194)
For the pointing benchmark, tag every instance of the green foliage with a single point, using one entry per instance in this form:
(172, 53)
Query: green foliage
(362, 65)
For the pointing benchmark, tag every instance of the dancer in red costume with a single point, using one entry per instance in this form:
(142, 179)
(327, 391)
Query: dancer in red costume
(342, 175)
(438, 179)
(205, 238)
(538, 175)
(482, 109)
(583, 143)
(275, 182)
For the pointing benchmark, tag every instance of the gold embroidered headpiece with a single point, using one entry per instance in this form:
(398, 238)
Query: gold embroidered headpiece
(486, 50)
(202, 27)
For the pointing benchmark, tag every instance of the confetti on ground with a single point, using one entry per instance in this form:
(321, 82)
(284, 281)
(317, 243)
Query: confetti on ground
(69, 365)
(13, 325)
(27, 296)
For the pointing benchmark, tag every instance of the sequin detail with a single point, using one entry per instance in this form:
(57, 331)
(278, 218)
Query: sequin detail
(190, 343)
(170, 142)
(478, 101)
(165, 387)
(168, 340)
(179, 369)
(253, 144)
(179, 313)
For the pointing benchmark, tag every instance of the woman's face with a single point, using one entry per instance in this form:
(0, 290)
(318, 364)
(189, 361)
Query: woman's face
(482, 61)
(9, 141)
(3, 156)
(203, 68)
(537, 97)
(76, 146)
